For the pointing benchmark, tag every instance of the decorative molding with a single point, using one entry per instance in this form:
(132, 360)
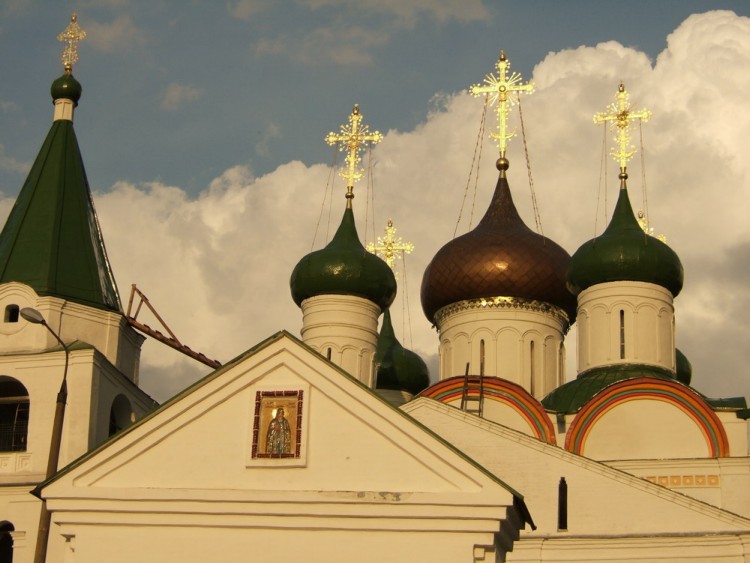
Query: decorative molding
(672, 481)
(502, 391)
(500, 302)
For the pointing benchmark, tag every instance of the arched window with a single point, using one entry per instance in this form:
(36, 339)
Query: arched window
(481, 357)
(532, 367)
(11, 313)
(622, 334)
(120, 415)
(14, 415)
(6, 542)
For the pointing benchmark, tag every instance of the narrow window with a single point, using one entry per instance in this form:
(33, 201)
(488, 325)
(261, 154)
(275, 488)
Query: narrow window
(11, 314)
(14, 415)
(328, 354)
(562, 506)
(120, 414)
(622, 334)
(531, 367)
(481, 357)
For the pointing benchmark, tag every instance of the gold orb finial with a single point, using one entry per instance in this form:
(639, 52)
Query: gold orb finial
(504, 91)
(71, 36)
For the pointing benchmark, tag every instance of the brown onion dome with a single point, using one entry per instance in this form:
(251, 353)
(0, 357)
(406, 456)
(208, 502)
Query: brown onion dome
(501, 257)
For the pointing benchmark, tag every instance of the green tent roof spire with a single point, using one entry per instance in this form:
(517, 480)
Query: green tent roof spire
(51, 240)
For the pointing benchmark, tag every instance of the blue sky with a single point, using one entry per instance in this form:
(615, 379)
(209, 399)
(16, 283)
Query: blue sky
(180, 91)
(201, 126)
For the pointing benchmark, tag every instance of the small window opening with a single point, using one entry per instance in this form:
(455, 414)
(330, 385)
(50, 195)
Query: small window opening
(11, 313)
(532, 367)
(6, 542)
(562, 506)
(622, 334)
(481, 357)
(328, 354)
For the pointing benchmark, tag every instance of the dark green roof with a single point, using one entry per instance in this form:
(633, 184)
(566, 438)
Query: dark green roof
(66, 87)
(624, 252)
(574, 394)
(51, 240)
(398, 368)
(344, 267)
(684, 368)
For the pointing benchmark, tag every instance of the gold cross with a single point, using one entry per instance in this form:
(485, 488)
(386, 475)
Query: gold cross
(390, 247)
(503, 90)
(353, 137)
(620, 115)
(72, 35)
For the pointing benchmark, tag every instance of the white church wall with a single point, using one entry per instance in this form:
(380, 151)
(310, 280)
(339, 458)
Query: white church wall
(625, 322)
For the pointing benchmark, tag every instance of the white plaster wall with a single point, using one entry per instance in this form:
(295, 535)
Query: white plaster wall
(108, 332)
(348, 327)
(507, 333)
(645, 429)
(261, 544)
(648, 327)
(601, 501)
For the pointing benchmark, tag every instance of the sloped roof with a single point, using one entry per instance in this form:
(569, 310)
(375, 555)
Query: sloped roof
(51, 240)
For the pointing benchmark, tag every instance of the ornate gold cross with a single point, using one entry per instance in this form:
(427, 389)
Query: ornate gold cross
(353, 137)
(71, 36)
(390, 246)
(620, 117)
(504, 91)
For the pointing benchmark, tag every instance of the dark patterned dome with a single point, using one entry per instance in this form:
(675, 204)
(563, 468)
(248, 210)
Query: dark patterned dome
(344, 267)
(501, 257)
(624, 252)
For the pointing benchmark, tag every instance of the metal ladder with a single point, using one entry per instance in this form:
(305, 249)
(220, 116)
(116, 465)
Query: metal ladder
(477, 400)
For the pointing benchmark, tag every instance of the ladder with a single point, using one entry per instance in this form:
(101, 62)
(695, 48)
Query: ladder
(473, 402)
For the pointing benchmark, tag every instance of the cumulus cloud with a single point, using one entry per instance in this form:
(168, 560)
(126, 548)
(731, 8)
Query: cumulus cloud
(270, 134)
(340, 43)
(217, 266)
(247, 9)
(12, 164)
(406, 13)
(176, 95)
(120, 35)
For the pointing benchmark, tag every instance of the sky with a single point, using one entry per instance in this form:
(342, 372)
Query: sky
(202, 124)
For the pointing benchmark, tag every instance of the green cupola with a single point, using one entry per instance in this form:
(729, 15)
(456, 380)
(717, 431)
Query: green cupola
(51, 240)
(398, 369)
(624, 252)
(344, 267)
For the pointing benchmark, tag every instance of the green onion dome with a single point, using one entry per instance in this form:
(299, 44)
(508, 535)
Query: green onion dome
(684, 368)
(501, 257)
(398, 368)
(571, 396)
(624, 252)
(66, 87)
(344, 267)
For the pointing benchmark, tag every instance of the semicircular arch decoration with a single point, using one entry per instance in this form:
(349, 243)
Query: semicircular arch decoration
(502, 391)
(640, 388)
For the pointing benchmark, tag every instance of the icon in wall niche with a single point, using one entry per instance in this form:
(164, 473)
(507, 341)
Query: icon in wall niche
(277, 424)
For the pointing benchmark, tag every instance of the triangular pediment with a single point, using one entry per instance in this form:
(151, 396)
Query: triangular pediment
(343, 439)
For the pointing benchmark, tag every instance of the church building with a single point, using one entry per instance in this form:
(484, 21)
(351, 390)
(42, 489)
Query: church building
(333, 446)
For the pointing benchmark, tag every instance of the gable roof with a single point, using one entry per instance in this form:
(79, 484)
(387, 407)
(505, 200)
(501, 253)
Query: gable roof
(379, 428)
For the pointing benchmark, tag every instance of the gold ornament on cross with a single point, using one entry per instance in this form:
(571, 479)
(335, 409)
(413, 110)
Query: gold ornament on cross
(352, 138)
(390, 246)
(649, 230)
(620, 115)
(504, 91)
(71, 36)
